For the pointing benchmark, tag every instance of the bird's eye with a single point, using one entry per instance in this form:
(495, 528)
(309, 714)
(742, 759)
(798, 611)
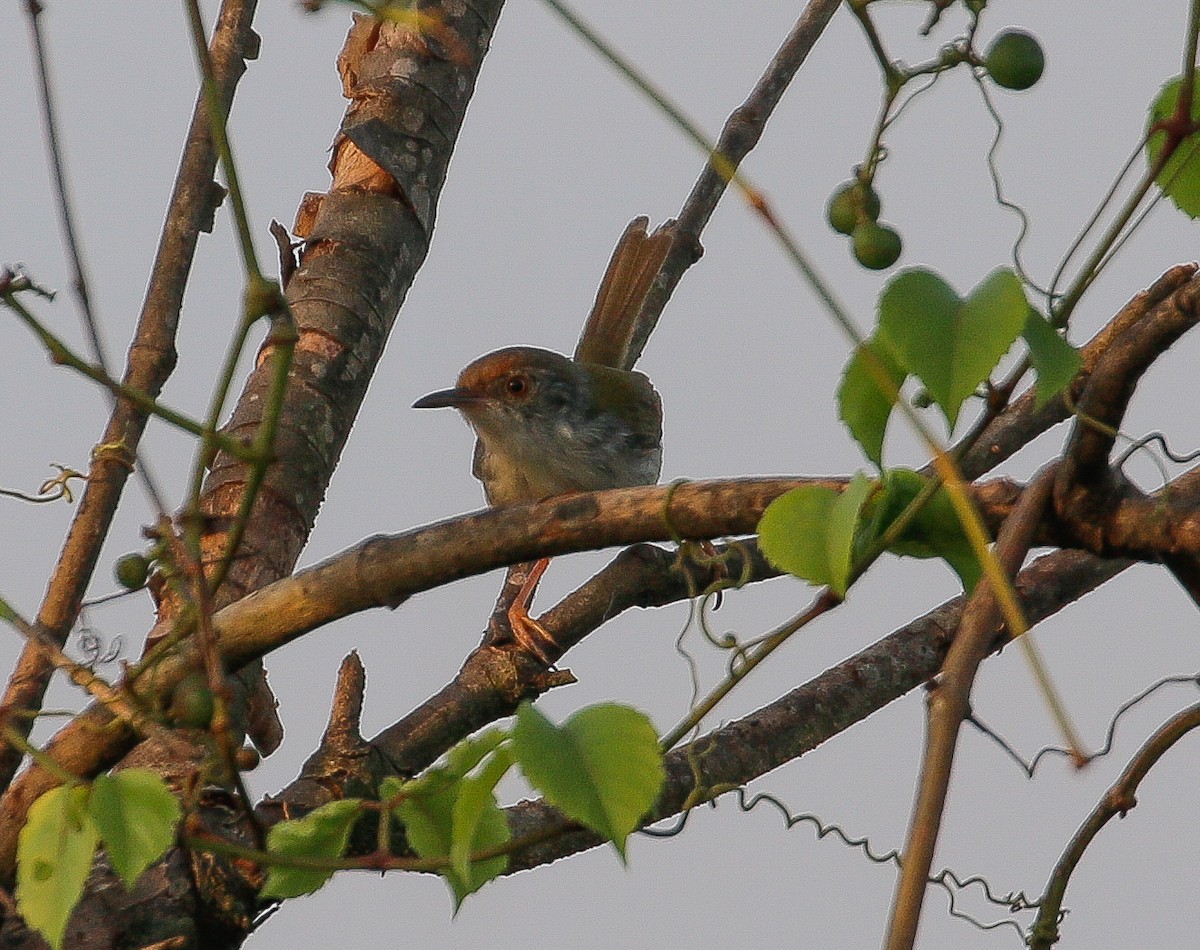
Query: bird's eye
(517, 385)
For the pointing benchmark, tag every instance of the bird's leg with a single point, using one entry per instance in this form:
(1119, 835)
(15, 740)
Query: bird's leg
(528, 634)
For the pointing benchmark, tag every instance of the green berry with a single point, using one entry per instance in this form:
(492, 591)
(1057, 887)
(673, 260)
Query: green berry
(876, 246)
(131, 571)
(1015, 60)
(850, 201)
(192, 702)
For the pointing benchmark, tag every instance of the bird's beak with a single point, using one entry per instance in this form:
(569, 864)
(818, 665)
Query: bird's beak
(447, 398)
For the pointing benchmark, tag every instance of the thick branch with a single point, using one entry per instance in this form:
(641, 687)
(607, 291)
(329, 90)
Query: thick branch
(1114, 380)
(365, 241)
(1097, 504)
(364, 247)
(815, 712)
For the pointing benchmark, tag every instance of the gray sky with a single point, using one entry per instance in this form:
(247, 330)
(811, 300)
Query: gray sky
(557, 154)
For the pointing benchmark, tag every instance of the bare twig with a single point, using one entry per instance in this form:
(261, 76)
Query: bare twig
(741, 134)
(151, 359)
(1118, 800)
(33, 10)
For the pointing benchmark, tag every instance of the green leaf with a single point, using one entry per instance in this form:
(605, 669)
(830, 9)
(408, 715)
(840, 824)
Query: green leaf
(390, 787)
(54, 855)
(476, 798)
(471, 751)
(429, 821)
(602, 767)
(451, 814)
(810, 531)
(323, 833)
(1054, 359)
(868, 394)
(1180, 177)
(934, 532)
(951, 344)
(135, 814)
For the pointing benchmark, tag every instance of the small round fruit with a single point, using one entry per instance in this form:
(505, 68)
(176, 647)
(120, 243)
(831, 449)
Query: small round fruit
(876, 246)
(1015, 60)
(847, 203)
(192, 702)
(131, 571)
(246, 758)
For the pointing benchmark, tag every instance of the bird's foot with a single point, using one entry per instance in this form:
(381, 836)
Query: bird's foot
(530, 635)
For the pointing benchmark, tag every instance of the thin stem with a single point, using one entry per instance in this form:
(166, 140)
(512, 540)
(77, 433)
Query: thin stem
(62, 354)
(1117, 801)
(825, 602)
(218, 123)
(1181, 119)
(33, 9)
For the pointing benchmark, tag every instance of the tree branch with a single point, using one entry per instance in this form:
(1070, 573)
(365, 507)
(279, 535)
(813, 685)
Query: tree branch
(1022, 422)
(150, 362)
(368, 238)
(1117, 801)
(809, 715)
(741, 133)
(1098, 505)
(949, 705)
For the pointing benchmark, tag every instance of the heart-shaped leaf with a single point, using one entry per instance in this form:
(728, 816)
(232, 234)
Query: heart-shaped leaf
(602, 767)
(867, 395)
(951, 344)
(136, 815)
(54, 856)
(810, 532)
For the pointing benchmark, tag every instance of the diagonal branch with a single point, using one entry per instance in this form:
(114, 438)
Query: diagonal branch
(811, 714)
(150, 362)
(1112, 384)
(1117, 801)
(1093, 499)
(949, 705)
(365, 240)
(741, 134)
(1023, 421)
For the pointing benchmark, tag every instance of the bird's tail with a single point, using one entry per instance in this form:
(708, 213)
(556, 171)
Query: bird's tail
(610, 335)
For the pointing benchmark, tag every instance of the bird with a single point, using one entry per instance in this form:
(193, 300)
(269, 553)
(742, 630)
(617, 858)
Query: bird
(548, 424)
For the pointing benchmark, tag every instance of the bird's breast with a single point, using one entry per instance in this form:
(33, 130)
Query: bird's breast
(592, 455)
